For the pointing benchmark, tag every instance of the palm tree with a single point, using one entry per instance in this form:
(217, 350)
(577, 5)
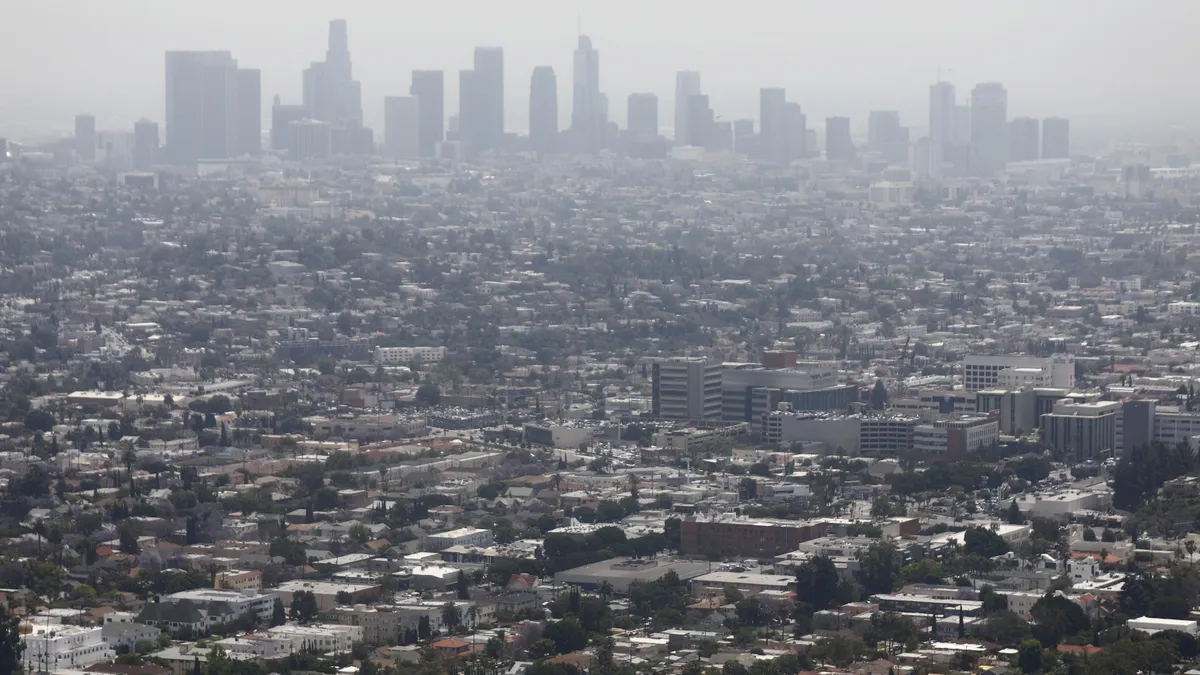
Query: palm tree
(39, 528)
(1190, 545)
(605, 590)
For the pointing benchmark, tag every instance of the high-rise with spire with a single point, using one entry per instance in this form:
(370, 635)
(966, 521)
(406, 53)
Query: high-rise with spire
(587, 116)
(331, 94)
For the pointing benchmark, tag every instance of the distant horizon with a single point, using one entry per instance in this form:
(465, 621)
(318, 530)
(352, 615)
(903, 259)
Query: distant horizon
(1094, 63)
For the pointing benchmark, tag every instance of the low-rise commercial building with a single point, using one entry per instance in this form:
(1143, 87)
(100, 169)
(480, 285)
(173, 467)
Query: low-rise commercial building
(733, 536)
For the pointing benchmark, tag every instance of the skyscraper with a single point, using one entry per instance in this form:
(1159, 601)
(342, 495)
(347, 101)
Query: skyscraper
(1023, 139)
(699, 121)
(772, 125)
(883, 127)
(202, 106)
(643, 116)
(744, 140)
(468, 109)
(249, 112)
(989, 128)
(145, 144)
(687, 84)
(941, 127)
(797, 131)
(1056, 138)
(402, 126)
(429, 88)
(331, 93)
(839, 147)
(309, 139)
(281, 116)
(543, 110)
(587, 116)
(488, 119)
(85, 138)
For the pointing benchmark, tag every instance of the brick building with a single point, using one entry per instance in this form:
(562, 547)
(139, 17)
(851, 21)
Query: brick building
(746, 537)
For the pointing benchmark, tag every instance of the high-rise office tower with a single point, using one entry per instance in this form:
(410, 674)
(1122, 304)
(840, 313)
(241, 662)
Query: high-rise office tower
(1023, 139)
(797, 131)
(402, 126)
(202, 106)
(281, 116)
(989, 128)
(839, 147)
(85, 138)
(643, 116)
(962, 125)
(721, 136)
(488, 119)
(1056, 138)
(468, 109)
(145, 144)
(249, 112)
(941, 127)
(587, 116)
(309, 139)
(687, 84)
(543, 110)
(351, 138)
(686, 388)
(773, 126)
(883, 127)
(744, 140)
(429, 88)
(699, 121)
(331, 93)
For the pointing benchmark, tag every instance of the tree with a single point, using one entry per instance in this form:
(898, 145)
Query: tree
(1057, 617)
(359, 534)
(568, 635)
(1029, 656)
(304, 606)
(39, 420)
(879, 396)
(463, 586)
(11, 644)
(451, 616)
(278, 616)
(983, 542)
(429, 394)
(1014, 516)
(816, 582)
(879, 567)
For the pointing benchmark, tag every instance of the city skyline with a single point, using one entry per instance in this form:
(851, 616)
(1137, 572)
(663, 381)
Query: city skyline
(732, 73)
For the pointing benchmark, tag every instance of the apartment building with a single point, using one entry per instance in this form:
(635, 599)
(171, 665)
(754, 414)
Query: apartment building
(402, 356)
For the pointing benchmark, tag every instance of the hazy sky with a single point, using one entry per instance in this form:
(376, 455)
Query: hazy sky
(1104, 63)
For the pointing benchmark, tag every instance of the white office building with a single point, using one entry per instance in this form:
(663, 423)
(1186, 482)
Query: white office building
(1016, 372)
